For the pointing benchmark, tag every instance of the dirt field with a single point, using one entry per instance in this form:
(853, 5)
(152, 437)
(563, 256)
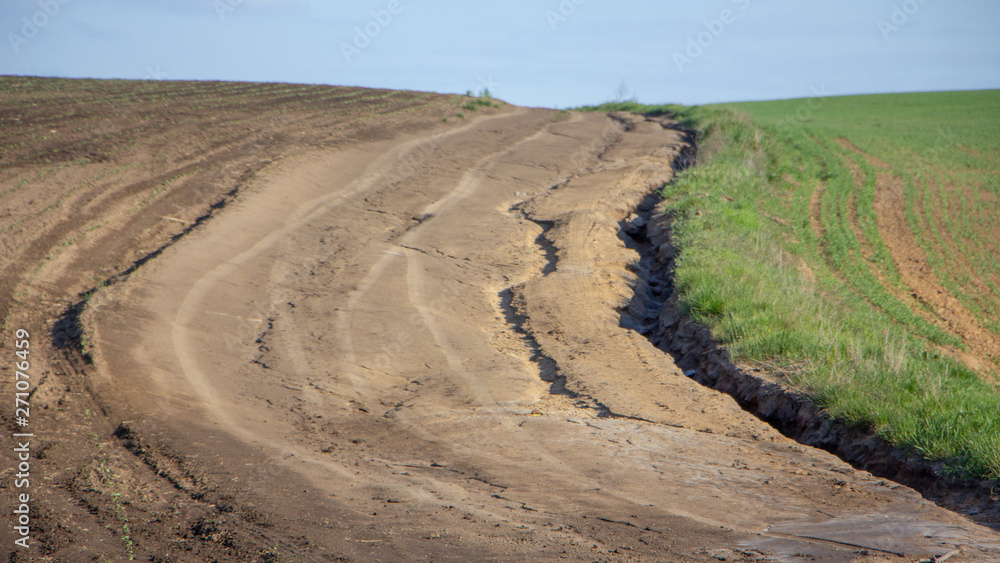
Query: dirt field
(317, 337)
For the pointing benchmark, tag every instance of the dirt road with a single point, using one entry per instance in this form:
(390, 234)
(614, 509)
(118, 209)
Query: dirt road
(410, 350)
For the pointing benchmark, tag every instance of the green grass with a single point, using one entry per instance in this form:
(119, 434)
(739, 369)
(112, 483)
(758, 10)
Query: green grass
(483, 99)
(944, 147)
(824, 305)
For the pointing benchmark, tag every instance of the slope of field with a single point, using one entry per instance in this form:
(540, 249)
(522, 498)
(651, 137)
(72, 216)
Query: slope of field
(288, 330)
(859, 241)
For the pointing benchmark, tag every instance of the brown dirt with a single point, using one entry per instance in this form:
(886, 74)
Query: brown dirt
(969, 151)
(816, 212)
(875, 161)
(398, 341)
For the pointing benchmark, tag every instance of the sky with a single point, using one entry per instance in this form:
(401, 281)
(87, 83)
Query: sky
(549, 53)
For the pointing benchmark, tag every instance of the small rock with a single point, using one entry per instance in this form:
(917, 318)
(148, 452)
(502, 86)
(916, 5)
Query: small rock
(634, 224)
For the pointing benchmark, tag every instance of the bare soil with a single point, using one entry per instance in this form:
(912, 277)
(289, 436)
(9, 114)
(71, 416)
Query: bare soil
(390, 339)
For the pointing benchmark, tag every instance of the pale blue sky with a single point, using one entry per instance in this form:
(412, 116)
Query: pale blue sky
(556, 53)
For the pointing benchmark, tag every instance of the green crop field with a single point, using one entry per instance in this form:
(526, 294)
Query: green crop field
(858, 241)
